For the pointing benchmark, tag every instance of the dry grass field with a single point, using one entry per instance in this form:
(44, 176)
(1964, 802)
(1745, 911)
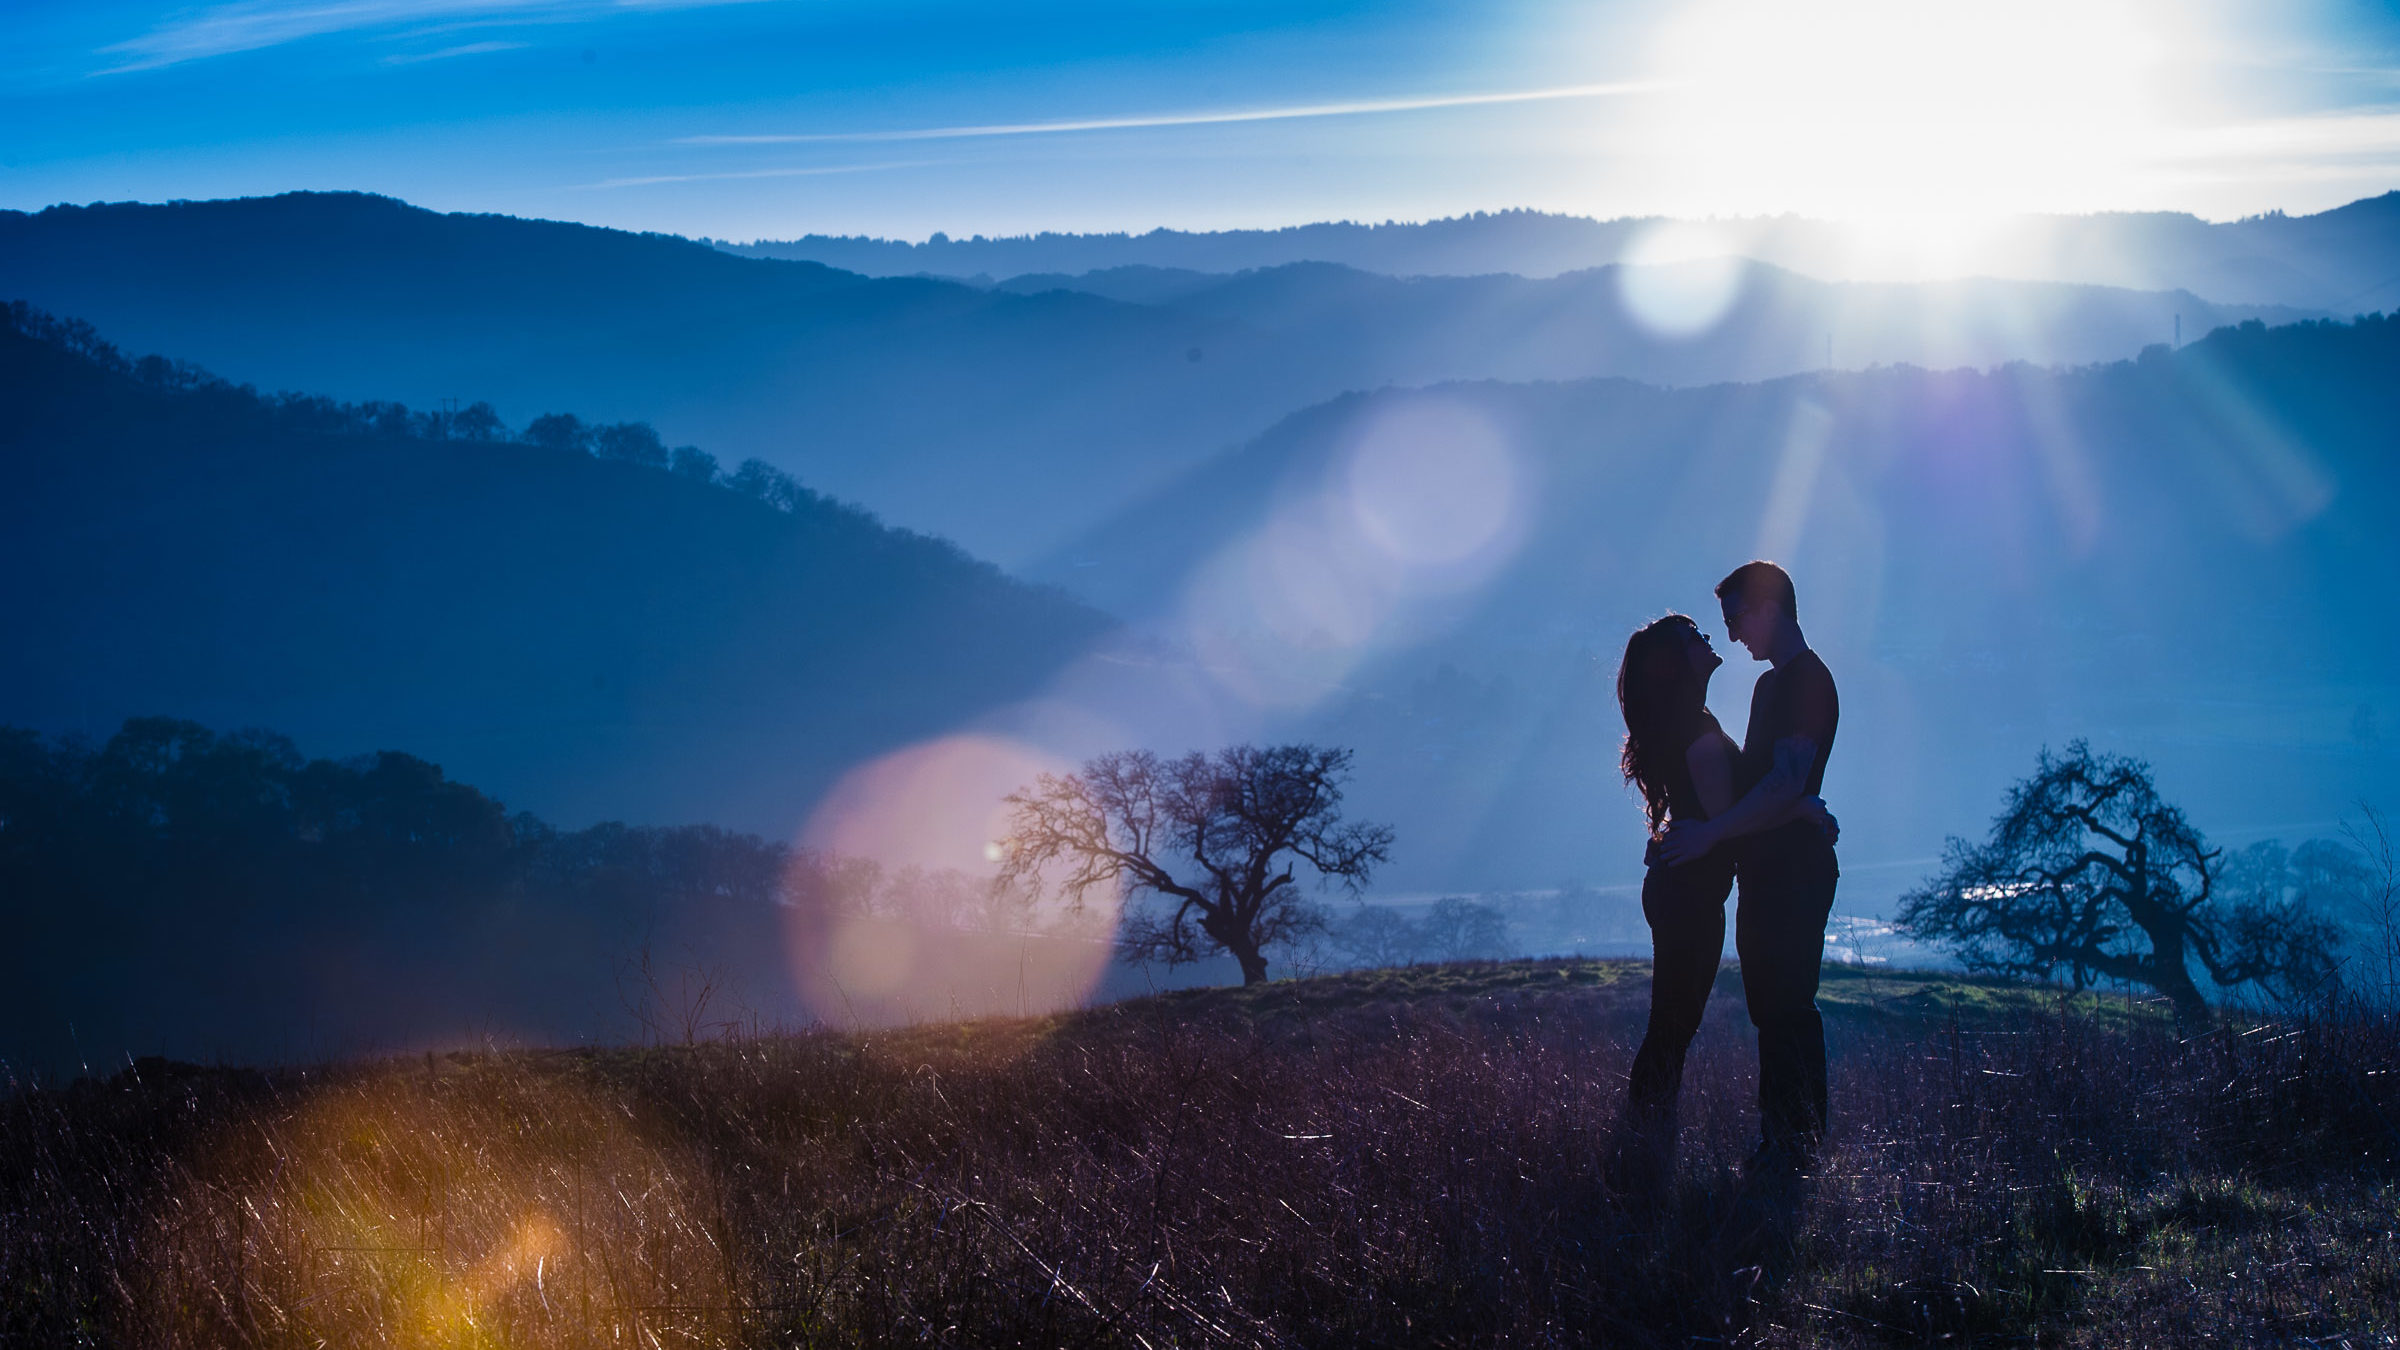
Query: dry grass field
(1404, 1157)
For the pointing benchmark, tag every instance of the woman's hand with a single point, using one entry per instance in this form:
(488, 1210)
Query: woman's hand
(1685, 842)
(1812, 810)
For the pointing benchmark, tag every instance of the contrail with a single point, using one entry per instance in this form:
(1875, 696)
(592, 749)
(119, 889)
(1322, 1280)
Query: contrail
(1195, 119)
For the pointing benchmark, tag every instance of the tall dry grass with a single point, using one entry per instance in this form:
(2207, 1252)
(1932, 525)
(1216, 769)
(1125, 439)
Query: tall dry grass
(1328, 1163)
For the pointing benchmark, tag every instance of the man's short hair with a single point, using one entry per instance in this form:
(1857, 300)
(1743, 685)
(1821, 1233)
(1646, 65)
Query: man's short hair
(1755, 581)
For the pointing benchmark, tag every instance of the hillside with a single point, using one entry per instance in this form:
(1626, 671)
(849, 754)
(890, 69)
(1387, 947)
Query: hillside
(2343, 260)
(588, 639)
(949, 409)
(2169, 556)
(1008, 422)
(1405, 1158)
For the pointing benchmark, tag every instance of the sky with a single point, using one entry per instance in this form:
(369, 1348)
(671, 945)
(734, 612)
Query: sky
(744, 119)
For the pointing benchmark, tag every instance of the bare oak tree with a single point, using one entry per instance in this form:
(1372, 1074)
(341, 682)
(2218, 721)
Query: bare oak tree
(1218, 838)
(2089, 872)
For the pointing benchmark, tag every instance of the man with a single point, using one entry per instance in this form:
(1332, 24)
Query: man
(1786, 866)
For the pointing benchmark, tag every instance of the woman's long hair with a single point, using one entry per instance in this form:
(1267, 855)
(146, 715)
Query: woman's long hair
(1662, 701)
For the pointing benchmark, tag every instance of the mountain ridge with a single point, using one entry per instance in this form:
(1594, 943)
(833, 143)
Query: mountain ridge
(2318, 261)
(1008, 422)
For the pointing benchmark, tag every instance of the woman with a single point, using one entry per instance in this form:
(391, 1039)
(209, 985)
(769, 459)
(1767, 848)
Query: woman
(1683, 764)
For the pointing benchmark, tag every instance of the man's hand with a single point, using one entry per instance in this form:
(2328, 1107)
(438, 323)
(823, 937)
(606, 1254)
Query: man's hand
(1685, 842)
(1812, 810)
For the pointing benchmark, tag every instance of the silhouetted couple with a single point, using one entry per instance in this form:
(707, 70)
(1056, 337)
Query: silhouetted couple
(1719, 812)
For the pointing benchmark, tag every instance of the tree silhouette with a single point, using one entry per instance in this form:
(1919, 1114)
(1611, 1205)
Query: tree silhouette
(559, 431)
(1454, 928)
(160, 373)
(187, 877)
(1218, 838)
(1377, 937)
(477, 422)
(757, 479)
(2089, 872)
(311, 414)
(1459, 929)
(632, 442)
(385, 418)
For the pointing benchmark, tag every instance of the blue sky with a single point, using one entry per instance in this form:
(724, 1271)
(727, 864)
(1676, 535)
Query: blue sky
(750, 118)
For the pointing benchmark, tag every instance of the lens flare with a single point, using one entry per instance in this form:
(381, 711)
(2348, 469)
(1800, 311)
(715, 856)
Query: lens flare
(919, 927)
(934, 805)
(1281, 617)
(1796, 472)
(1435, 489)
(1425, 499)
(1679, 279)
(2269, 480)
(489, 1201)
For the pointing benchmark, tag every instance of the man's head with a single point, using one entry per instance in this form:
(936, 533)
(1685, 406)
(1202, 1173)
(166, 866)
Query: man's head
(1758, 602)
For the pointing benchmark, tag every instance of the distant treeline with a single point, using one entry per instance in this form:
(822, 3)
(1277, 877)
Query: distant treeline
(2335, 259)
(316, 415)
(201, 893)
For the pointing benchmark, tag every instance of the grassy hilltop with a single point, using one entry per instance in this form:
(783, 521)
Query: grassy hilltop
(1394, 1157)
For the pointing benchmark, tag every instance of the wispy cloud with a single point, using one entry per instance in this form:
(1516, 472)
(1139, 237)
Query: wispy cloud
(464, 49)
(1188, 119)
(2364, 131)
(250, 25)
(807, 172)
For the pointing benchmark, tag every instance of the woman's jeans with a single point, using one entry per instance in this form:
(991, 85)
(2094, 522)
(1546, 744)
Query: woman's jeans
(1686, 909)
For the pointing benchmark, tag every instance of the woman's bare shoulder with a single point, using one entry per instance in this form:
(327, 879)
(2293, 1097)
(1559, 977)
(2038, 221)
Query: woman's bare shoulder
(1712, 743)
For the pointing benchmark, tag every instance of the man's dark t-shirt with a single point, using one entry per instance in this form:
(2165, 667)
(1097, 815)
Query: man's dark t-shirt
(1796, 698)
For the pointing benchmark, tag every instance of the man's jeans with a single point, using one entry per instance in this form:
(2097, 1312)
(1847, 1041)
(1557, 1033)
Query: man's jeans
(1787, 882)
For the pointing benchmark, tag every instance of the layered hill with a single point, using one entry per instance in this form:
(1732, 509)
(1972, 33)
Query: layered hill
(1701, 322)
(1009, 422)
(588, 639)
(938, 404)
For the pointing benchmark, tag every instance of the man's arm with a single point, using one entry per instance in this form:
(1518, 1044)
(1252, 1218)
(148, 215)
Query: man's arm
(1818, 707)
(1779, 797)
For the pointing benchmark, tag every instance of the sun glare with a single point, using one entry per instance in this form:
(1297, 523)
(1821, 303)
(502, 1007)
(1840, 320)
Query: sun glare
(1912, 111)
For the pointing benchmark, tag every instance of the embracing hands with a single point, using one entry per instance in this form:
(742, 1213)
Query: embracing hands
(1688, 841)
(1691, 840)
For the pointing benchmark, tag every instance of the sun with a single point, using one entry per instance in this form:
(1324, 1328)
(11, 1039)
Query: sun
(1910, 110)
